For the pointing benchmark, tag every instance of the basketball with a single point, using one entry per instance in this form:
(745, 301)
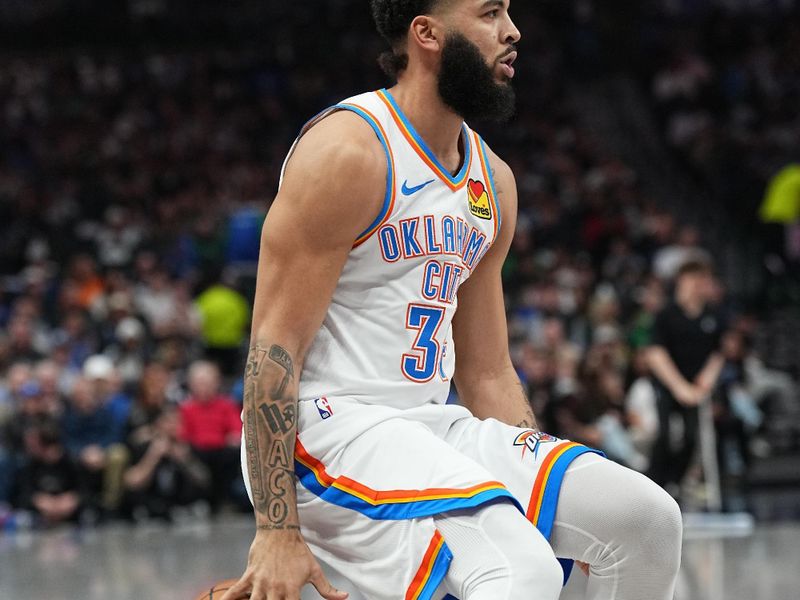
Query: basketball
(217, 590)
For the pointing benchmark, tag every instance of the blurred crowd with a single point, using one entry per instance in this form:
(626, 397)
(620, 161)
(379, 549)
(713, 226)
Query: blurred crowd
(132, 190)
(727, 86)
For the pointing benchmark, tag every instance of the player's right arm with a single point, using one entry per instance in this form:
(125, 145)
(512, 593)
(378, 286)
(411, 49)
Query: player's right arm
(332, 189)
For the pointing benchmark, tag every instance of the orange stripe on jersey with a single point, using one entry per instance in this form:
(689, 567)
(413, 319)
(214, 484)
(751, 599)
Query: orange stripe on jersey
(426, 568)
(376, 497)
(426, 156)
(535, 504)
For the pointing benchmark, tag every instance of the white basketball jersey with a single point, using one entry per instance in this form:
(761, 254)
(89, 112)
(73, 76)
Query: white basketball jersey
(387, 337)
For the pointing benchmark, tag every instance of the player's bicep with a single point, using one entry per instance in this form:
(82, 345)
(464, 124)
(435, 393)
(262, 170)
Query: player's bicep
(330, 193)
(480, 329)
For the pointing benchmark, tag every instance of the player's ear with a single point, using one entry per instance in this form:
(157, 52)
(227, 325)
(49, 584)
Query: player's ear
(426, 33)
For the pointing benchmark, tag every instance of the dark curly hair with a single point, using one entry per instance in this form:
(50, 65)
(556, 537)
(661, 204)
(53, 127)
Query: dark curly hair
(392, 18)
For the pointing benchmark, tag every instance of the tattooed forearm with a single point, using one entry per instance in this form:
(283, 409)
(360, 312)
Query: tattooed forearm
(270, 409)
(280, 356)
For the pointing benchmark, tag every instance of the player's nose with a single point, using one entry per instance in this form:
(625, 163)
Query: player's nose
(512, 34)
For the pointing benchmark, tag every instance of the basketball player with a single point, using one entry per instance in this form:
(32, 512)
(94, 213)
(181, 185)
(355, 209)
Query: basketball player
(392, 214)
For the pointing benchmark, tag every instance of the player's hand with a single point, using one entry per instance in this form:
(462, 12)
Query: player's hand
(278, 567)
(688, 394)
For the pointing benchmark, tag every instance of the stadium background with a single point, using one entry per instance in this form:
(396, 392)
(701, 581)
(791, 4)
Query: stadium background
(140, 145)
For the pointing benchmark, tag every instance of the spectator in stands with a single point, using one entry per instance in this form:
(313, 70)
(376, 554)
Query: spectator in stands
(17, 375)
(49, 377)
(20, 337)
(30, 411)
(155, 300)
(164, 472)
(100, 372)
(650, 300)
(117, 239)
(150, 401)
(686, 362)
(92, 437)
(50, 482)
(736, 414)
(641, 408)
(211, 424)
(668, 260)
(88, 284)
(225, 317)
(129, 351)
(75, 336)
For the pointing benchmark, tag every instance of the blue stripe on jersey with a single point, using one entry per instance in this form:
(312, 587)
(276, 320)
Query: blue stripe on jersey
(396, 511)
(387, 199)
(491, 183)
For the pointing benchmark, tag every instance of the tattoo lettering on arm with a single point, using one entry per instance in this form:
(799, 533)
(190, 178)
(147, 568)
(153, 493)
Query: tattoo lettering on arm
(270, 428)
(254, 469)
(280, 479)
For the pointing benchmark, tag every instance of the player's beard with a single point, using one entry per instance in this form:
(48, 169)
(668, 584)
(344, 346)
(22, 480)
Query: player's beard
(468, 85)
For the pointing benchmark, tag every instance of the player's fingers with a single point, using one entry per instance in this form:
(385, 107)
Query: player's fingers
(238, 590)
(324, 587)
(259, 592)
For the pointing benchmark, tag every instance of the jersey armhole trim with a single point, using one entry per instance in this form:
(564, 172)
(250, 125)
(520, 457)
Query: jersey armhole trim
(389, 196)
(487, 173)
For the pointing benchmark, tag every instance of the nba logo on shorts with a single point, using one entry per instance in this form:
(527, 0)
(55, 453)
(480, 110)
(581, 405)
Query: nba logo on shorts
(324, 408)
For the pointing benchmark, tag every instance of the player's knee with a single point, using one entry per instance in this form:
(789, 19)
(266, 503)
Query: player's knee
(664, 531)
(657, 526)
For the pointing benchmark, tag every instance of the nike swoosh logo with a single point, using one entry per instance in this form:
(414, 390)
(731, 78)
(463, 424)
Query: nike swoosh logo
(407, 191)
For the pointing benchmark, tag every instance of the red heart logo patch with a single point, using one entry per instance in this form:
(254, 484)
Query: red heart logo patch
(476, 189)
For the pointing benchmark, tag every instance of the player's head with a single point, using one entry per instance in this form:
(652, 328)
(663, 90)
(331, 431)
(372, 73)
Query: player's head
(469, 44)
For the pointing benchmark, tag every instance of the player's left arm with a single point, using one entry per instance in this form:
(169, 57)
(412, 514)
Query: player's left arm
(486, 380)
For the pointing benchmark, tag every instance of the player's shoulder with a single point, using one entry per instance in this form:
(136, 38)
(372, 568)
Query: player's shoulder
(341, 144)
(343, 131)
(501, 171)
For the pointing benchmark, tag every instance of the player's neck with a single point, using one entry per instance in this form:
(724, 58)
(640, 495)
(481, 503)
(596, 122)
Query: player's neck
(438, 125)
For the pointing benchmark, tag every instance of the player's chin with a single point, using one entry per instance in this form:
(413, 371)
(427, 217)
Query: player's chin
(502, 76)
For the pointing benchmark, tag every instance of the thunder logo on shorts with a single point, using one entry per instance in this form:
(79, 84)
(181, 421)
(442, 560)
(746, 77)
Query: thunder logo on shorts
(532, 440)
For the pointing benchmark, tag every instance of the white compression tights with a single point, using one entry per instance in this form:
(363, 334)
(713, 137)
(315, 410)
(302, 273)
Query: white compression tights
(627, 528)
(623, 525)
(498, 555)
